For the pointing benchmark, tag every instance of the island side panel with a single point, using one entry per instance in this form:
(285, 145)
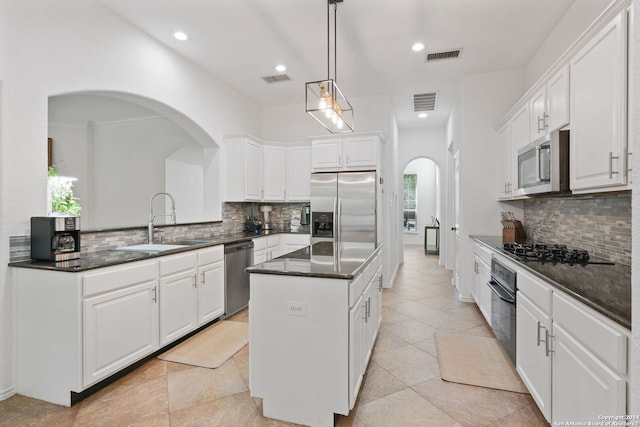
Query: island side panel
(299, 347)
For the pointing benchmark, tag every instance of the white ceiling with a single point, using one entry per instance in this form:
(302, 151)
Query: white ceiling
(240, 41)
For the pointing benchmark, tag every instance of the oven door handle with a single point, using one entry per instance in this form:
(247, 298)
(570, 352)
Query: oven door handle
(500, 292)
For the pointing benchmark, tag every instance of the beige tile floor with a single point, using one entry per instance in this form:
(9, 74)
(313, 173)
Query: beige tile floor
(402, 386)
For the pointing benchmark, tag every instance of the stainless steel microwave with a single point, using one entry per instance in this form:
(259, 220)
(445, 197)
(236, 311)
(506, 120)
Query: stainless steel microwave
(543, 165)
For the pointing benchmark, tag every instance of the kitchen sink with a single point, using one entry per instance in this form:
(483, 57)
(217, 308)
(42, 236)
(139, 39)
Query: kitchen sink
(150, 247)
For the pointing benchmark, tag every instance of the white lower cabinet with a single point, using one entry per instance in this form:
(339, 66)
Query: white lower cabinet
(532, 359)
(210, 284)
(290, 242)
(311, 339)
(120, 322)
(77, 329)
(481, 275)
(259, 250)
(178, 296)
(572, 359)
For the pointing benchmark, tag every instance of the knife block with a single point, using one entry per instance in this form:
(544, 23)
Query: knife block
(515, 234)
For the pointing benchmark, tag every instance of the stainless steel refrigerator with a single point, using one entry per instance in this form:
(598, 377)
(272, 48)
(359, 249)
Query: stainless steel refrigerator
(343, 207)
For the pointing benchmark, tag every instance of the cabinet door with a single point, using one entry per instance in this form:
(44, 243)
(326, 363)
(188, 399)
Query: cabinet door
(538, 114)
(356, 348)
(326, 154)
(259, 256)
(583, 387)
(275, 168)
(519, 124)
(120, 328)
(483, 275)
(598, 109)
(253, 170)
(178, 305)
(299, 173)
(503, 168)
(210, 292)
(360, 152)
(532, 361)
(558, 100)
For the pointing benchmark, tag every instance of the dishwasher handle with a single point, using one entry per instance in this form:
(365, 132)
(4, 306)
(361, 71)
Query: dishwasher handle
(236, 247)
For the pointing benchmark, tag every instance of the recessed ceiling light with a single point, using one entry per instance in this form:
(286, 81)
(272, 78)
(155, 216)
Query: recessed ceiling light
(179, 35)
(417, 47)
(281, 68)
(422, 115)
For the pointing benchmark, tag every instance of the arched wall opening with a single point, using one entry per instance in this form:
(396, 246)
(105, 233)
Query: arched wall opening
(421, 200)
(123, 148)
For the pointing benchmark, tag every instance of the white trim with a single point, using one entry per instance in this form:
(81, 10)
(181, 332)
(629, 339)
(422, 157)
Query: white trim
(7, 393)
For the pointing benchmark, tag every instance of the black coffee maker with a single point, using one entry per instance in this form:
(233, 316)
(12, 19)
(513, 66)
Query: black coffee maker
(55, 238)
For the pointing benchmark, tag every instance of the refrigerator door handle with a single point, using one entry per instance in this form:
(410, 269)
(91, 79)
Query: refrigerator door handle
(336, 219)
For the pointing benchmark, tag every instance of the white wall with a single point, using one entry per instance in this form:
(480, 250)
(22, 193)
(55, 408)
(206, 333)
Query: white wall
(484, 99)
(573, 23)
(50, 48)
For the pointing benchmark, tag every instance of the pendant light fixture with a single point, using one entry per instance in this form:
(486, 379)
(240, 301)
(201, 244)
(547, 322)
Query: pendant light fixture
(324, 100)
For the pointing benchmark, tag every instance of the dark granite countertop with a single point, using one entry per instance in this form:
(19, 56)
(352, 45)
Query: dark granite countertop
(605, 288)
(106, 258)
(323, 259)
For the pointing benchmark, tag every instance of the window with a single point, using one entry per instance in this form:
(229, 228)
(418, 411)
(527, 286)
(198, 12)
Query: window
(410, 202)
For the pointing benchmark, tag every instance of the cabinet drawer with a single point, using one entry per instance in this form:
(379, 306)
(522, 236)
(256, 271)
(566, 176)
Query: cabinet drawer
(597, 334)
(210, 255)
(537, 291)
(482, 253)
(118, 277)
(177, 263)
(259, 243)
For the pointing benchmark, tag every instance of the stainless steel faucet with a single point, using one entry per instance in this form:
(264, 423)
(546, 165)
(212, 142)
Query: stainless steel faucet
(152, 216)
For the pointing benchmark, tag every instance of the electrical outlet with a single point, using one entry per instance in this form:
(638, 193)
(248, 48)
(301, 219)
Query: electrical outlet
(297, 309)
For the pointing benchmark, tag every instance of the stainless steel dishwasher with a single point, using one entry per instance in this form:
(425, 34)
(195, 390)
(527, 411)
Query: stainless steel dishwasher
(237, 257)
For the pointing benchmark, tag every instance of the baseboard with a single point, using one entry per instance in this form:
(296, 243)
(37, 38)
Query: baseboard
(389, 284)
(7, 393)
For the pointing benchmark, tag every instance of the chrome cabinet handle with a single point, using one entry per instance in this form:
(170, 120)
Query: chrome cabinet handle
(154, 298)
(364, 315)
(540, 327)
(538, 163)
(611, 171)
(545, 123)
(547, 343)
(540, 121)
(629, 169)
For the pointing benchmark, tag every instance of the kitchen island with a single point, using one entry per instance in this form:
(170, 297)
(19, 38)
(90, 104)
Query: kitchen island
(314, 315)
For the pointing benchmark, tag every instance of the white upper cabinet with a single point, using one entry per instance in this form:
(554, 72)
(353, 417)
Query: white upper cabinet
(504, 162)
(299, 173)
(360, 152)
(598, 110)
(558, 100)
(519, 124)
(275, 173)
(326, 154)
(355, 152)
(549, 105)
(244, 169)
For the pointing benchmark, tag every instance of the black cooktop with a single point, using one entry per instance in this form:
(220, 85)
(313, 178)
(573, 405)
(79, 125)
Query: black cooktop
(550, 253)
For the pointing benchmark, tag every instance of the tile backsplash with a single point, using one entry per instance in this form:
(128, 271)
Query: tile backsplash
(600, 223)
(234, 216)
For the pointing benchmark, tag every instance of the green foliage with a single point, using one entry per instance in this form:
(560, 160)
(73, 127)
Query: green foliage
(62, 200)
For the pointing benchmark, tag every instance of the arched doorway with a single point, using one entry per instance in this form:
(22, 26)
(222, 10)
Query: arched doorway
(421, 201)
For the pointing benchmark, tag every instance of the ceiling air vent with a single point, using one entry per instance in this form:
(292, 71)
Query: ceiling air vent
(277, 78)
(443, 54)
(424, 101)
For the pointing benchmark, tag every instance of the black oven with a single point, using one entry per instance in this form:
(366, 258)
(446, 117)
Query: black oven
(503, 306)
